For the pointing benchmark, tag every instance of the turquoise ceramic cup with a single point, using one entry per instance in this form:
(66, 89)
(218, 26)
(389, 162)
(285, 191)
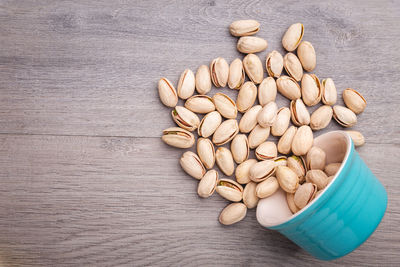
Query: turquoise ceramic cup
(343, 216)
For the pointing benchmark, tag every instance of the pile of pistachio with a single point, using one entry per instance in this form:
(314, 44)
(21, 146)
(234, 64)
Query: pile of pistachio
(292, 164)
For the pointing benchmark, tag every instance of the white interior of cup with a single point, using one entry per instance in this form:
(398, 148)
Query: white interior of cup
(274, 210)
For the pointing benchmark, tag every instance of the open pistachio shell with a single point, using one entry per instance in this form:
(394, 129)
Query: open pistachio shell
(318, 178)
(293, 66)
(206, 152)
(281, 122)
(288, 87)
(219, 71)
(354, 100)
(298, 165)
(305, 194)
(344, 116)
(251, 44)
(225, 132)
(274, 64)
(332, 168)
(302, 140)
(186, 84)
(299, 113)
(267, 115)
(200, 104)
(292, 37)
(209, 124)
(224, 159)
(249, 119)
(266, 150)
(285, 142)
(357, 137)
(236, 74)
(267, 91)
(203, 80)
(192, 165)
(316, 159)
(253, 68)
(267, 188)
(240, 148)
(290, 201)
(207, 184)
(262, 170)
(321, 117)
(258, 135)
(307, 56)
(288, 180)
(310, 89)
(246, 97)
(225, 105)
(230, 190)
(244, 27)
(328, 92)
(185, 118)
(250, 198)
(242, 172)
(233, 213)
(167, 92)
(178, 137)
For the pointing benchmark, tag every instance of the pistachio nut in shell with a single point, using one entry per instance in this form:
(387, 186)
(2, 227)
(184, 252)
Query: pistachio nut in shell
(288, 87)
(233, 213)
(285, 142)
(186, 84)
(266, 150)
(185, 118)
(236, 74)
(302, 140)
(298, 165)
(305, 194)
(321, 117)
(258, 135)
(207, 184)
(316, 159)
(280, 161)
(328, 92)
(240, 148)
(225, 132)
(200, 104)
(307, 56)
(219, 71)
(246, 97)
(192, 165)
(317, 177)
(167, 92)
(262, 170)
(293, 66)
(357, 137)
(230, 190)
(209, 124)
(250, 198)
(203, 80)
(178, 137)
(251, 44)
(281, 122)
(225, 105)
(290, 201)
(354, 100)
(292, 37)
(242, 172)
(253, 68)
(344, 116)
(299, 113)
(224, 159)
(310, 89)
(267, 91)
(332, 168)
(267, 187)
(206, 152)
(266, 117)
(274, 64)
(249, 119)
(288, 180)
(244, 27)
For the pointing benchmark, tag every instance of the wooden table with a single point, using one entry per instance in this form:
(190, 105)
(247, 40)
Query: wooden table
(84, 176)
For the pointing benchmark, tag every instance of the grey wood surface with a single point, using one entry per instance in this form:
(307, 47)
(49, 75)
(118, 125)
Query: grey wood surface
(85, 179)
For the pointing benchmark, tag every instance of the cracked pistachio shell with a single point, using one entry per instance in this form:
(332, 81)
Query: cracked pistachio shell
(266, 150)
(302, 140)
(328, 92)
(292, 37)
(242, 172)
(219, 70)
(225, 132)
(209, 124)
(203, 80)
(298, 165)
(354, 100)
(267, 188)
(316, 159)
(258, 135)
(266, 117)
(287, 179)
(207, 184)
(281, 122)
(306, 54)
(240, 148)
(285, 142)
(318, 178)
(200, 104)
(280, 161)
(267, 91)
(244, 27)
(251, 44)
(246, 97)
(178, 137)
(185, 118)
(186, 84)
(167, 92)
(225, 105)
(230, 190)
(233, 213)
(357, 137)
(305, 194)
(262, 170)
(321, 117)
(274, 64)
(236, 74)
(310, 89)
(299, 113)
(224, 159)
(288, 87)
(344, 116)
(290, 201)
(253, 68)
(192, 165)
(293, 66)
(206, 152)
(250, 198)
(332, 168)
(249, 119)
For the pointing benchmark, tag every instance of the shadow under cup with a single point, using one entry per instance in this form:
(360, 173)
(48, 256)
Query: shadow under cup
(343, 216)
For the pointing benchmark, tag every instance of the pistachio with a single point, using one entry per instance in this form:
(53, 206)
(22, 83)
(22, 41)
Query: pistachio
(167, 93)
(249, 119)
(240, 148)
(203, 80)
(178, 137)
(310, 89)
(209, 124)
(354, 100)
(186, 84)
(280, 161)
(357, 137)
(266, 117)
(192, 165)
(285, 142)
(288, 87)
(185, 118)
(332, 168)
(304, 194)
(330, 178)
(274, 64)
(233, 213)
(344, 116)
(260, 171)
(200, 104)
(281, 122)
(293, 66)
(302, 140)
(306, 54)
(316, 159)
(236, 74)
(246, 96)
(267, 187)
(267, 91)
(318, 193)
(253, 67)
(258, 135)
(321, 117)
(299, 113)
(225, 105)
(224, 159)
(206, 152)
(317, 177)
(251, 44)
(298, 165)
(244, 27)
(266, 150)
(328, 92)
(219, 70)
(287, 179)
(208, 184)
(225, 132)
(292, 38)
(290, 201)
(242, 171)
(230, 190)
(250, 198)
